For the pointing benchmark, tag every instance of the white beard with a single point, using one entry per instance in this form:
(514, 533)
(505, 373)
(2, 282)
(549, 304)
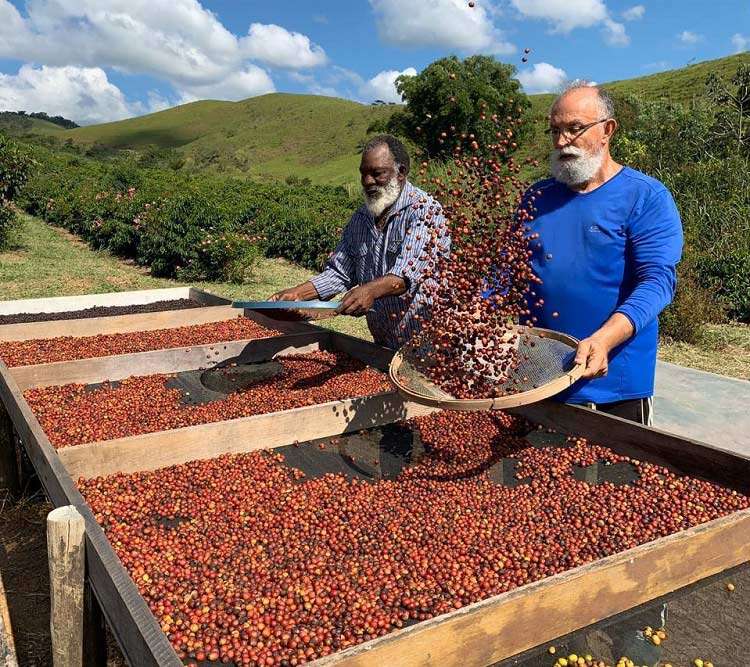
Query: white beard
(383, 198)
(580, 169)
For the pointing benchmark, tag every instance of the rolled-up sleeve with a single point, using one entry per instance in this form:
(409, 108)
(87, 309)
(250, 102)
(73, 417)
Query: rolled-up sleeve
(339, 273)
(655, 246)
(418, 249)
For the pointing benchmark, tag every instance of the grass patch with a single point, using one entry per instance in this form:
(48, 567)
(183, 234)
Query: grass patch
(725, 349)
(51, 262)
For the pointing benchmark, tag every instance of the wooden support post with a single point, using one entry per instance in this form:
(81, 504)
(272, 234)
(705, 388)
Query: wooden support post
(8, 461)
(7, 645)
(66, 550)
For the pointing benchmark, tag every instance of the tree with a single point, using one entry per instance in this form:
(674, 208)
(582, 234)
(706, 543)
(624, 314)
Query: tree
(453, 93)
(732, 102)
(14, 170)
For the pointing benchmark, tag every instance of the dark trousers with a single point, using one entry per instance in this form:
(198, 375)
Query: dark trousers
(639, 410)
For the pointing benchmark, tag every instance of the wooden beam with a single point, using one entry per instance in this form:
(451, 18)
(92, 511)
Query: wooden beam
(683, 455)
(62, 304)
(502, 626)
(8, 656)
(172, 360)
(131, 621)
(207, 298)
(165, 448)
(67, 560)
(93, 326)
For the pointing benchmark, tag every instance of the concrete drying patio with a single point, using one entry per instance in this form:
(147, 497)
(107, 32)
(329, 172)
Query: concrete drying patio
(703, 406)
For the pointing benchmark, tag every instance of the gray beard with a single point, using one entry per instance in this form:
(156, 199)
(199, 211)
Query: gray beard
(385, 197)
(577, 171)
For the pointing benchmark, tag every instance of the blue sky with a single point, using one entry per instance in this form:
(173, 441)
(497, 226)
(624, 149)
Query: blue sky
(98, 60)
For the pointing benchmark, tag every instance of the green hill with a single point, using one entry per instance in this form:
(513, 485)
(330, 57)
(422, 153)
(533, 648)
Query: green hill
(279, 135)
(272, 136)
(20, 125)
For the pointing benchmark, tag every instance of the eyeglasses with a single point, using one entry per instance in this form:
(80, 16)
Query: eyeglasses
(572, 132)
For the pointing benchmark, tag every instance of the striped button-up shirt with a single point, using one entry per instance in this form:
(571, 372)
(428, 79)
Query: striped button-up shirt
(402, 248)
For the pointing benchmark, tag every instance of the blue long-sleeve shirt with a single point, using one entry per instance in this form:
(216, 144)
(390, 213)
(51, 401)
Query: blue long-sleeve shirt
(612, 250)
(402, 249)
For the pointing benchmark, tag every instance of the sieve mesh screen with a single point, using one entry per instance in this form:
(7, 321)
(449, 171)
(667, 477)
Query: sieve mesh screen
(541, 358)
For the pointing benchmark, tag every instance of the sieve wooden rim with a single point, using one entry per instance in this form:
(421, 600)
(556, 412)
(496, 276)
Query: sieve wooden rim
(512, 400)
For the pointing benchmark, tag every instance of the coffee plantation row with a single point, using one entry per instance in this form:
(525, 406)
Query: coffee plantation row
(186, 226)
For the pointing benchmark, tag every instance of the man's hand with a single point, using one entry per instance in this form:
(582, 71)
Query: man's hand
(304, 292)
(594, 354)
(594, 350)
(358, 301)
(285, 295)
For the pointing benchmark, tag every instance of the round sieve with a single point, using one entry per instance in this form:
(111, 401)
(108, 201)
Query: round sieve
(545, 367)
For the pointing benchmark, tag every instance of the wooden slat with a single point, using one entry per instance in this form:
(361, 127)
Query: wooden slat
(370, 353)
(7, 644)
(507, 624)
(683, 455)
(61, 304)
(138, 634)
(164, 448)
(173, 360)
(207, 298)
(93, 326)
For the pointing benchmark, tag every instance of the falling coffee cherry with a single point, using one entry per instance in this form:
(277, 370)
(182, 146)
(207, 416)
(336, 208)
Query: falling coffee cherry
(527, 50)
(471, 4)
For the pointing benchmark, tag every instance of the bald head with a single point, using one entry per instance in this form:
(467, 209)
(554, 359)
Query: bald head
(582, 95)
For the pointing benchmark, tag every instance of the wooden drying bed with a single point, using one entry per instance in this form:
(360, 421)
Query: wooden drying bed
(479, 634)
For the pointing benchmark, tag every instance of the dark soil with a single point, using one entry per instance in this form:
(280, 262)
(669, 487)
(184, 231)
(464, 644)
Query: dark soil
(23, 563)
(101, 311)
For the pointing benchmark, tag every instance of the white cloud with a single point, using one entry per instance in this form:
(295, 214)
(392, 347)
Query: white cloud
(83, 94)
(248, 82)
(687, 37)
(383, 85)
(276, 46)
(740, 42)
(177, 41)
(542, 78)
(565, 15)
(634, 13)
(158, 102)
(614, 33)
(449, 24)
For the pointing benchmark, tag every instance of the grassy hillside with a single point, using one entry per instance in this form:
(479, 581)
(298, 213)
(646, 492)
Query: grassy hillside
(272, 136)
(17, 125)
(280, 135)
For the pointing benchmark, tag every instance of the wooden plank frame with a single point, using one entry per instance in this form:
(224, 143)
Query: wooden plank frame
(481, 633)
(163, 448)
(60, 304)
(488, 630)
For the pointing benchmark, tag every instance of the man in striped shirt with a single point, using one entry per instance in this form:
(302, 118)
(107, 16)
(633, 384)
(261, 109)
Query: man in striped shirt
(385, 249)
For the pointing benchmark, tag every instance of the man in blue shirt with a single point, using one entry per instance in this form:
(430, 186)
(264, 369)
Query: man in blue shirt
(384, 249)
(609, 239)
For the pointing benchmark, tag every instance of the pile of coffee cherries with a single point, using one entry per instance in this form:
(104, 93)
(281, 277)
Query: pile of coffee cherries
(74, 413)
(243, 559)
(67, 348)
(476, 292)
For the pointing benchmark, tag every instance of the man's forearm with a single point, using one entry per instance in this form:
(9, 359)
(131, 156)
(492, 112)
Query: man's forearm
(388, 285)
(303, 292)
(616, 330)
